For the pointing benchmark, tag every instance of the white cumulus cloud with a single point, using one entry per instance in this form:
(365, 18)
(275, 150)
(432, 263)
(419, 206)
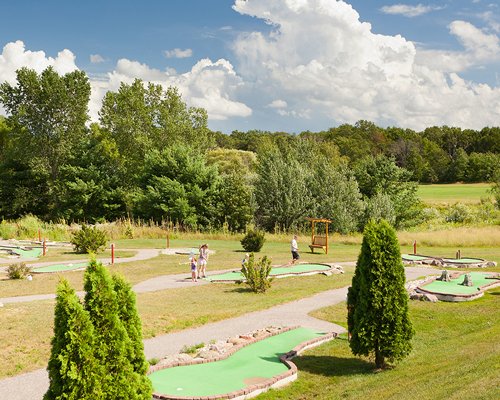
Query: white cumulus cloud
(479, 48)
(211, 85)
(15, 56)
(409, 10)
(178, 53)
(323, 59)
(278, 104)
(96, 58)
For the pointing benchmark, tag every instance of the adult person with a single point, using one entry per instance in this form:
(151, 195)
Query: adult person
(202, 261)
(295, 250)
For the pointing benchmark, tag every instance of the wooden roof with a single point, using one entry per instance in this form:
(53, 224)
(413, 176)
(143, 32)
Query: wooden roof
(318, 219)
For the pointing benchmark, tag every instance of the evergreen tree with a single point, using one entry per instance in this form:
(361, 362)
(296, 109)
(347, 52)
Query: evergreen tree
(113, 346)
(73, 370)
(128, 314)
(377, 302)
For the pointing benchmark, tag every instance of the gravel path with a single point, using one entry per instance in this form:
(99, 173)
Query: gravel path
(142, 254)
(33, 385)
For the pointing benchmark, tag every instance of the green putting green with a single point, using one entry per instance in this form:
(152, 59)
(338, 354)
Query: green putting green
(415, 257)
(250, 365)
(296, 269)
(34, 252)
(454, 287)
(463, 260)
(61, 267)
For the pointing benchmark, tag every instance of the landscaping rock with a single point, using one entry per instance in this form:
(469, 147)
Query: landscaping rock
(430, 297)
(491, 264)
(445, 276)
(416, 296)
(337, 269)
(208, 354)
(467, 280)
(236, 341)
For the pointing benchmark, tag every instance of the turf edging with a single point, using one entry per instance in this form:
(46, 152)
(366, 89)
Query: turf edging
(255, 389)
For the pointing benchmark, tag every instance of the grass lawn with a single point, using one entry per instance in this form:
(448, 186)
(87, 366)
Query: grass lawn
(456, 355)
(29, 326)
(454, 193)
(228, 254)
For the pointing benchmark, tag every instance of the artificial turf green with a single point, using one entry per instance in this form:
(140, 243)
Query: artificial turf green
(61, 267)
(31, 253)
(293, 269)
(255, 362)
(455, 285)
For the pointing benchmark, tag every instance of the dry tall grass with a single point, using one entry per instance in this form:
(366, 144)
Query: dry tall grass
(488, 236)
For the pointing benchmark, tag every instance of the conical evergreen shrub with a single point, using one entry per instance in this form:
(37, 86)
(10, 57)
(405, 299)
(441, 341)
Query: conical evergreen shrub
(377, 301)
(113, 347)
(73, 370)
(128, 314)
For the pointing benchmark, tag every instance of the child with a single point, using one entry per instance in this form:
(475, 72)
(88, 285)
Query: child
(192, 262)
(202, 260)
(245, 260)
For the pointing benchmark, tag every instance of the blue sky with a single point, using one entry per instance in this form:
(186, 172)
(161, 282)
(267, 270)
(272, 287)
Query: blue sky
(287, 65)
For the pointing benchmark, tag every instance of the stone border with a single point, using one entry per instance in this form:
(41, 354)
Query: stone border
(256, 389)
(455, 297)
(336, 269)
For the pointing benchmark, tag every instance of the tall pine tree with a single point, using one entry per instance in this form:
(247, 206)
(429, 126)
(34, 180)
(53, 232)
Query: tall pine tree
(73, 370)
(377, 301)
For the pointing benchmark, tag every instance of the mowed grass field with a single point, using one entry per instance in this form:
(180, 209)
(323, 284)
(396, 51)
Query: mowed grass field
(467, 193)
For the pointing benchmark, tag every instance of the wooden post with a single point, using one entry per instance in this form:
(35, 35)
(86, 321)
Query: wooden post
(112, 253)
(44, 247)
(414, 247)
(168, 240)
(326, 234)
(312, 232)
(459, 256)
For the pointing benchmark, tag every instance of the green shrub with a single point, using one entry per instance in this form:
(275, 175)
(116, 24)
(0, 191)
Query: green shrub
(89, 239)
(18, 271)
(253, 241)
(153, 361)
(192, 349)
(257, 274)
(459, 213)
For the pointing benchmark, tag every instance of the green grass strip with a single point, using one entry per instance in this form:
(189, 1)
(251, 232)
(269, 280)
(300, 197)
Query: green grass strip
(293, 269)
(254, 362)
(61, 267)
(455, 287)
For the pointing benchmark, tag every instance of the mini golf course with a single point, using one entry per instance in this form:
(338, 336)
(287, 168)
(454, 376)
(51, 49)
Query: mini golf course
(276, 272)
(455, 291)
(445, 262)
(253, 368)
(60, 267)
(21, 252)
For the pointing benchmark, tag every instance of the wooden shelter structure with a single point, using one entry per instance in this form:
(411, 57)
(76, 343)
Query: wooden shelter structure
(319, 241)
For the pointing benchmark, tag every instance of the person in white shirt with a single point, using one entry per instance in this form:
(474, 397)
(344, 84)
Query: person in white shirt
(295, 250)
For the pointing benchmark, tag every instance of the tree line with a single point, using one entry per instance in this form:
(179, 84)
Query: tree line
(150, 156)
